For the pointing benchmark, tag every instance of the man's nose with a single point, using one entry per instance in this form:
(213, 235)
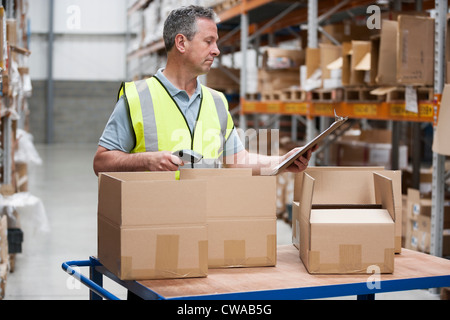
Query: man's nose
(215, 51)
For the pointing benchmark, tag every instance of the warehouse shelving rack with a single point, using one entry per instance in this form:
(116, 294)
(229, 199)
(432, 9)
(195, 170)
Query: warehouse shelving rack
(245, 21)
(13, 101)
(390, 111)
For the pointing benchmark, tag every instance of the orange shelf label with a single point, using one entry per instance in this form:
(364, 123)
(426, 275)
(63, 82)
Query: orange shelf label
(364, 109)
(301, 108)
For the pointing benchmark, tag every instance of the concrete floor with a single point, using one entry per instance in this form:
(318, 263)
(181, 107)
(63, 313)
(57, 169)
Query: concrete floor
(67, 186)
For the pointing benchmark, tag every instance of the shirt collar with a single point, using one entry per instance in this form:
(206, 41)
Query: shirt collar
(173, 91)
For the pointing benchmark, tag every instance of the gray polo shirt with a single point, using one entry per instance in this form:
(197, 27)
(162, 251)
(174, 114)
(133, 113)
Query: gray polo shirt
(119, 132)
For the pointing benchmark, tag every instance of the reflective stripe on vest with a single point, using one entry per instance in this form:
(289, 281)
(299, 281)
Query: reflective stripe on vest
(160, 125)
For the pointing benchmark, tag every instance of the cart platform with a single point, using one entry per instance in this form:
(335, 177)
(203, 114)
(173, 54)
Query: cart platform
(289, 280)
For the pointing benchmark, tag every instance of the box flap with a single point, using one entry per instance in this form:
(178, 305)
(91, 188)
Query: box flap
(328, 54)
(382, 90)
(210, 173)
(305, 214)
(350, 216)
(387, 58)
(141, 176)
(365, 63)
(442, 132)
(360, 50)
(384, 193)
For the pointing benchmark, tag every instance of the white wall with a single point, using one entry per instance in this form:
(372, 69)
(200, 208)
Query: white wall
(89, 39)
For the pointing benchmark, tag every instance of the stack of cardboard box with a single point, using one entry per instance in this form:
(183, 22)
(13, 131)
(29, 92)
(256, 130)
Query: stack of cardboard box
(417, 226)
(4, 255)
(366, 148)
(153, 226)
(280, 70)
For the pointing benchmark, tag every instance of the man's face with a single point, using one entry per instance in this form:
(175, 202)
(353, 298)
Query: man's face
(202, 49)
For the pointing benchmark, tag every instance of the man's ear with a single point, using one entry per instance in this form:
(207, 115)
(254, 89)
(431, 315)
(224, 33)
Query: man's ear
(180, 43)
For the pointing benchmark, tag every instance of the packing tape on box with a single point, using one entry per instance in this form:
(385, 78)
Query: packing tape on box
(166, 258)
(167, 261)
(235, 255)
(350, 261)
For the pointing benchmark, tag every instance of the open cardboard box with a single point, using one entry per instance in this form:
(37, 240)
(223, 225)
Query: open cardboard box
(152, 226)
(352, 233)
(241, 217)
(348, 185)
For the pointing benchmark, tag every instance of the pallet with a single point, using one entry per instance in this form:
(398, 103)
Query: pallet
(335, 95)
(271, 96)
(294, 95)
(423, 94)
(252, 96)
(357, 94)
(392, 94)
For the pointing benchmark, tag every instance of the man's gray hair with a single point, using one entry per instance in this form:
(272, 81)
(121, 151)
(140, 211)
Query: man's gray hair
(184, 21)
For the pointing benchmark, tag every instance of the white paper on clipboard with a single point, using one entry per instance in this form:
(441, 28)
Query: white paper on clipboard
(316, 141)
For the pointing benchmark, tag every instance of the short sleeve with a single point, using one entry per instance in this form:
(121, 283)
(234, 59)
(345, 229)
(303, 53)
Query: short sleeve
(119, 133)
(233, 144)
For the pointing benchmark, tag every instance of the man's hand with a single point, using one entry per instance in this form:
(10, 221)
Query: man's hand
(118, 161)
(163, 161)
(300, 164)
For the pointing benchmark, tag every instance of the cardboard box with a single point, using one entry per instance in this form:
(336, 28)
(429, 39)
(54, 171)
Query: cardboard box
(387, 59)
(415, 55)
(442, 132)
(418, 223)
(3, 279)
(279, 58)
(348, 185)
(328, 54)
(360, 62)
(151, 226)
(223, 79)
(4, 253)
(366, 148)
(241, 217)
(274, 80)
(349, 234)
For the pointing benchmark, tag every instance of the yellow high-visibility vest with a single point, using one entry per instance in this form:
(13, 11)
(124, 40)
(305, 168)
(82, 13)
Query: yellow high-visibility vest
(159, 124)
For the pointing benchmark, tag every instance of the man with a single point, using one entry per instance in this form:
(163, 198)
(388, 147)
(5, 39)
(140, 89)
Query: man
(172, 111)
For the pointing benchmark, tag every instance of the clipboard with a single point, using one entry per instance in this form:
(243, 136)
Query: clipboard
(338, 121)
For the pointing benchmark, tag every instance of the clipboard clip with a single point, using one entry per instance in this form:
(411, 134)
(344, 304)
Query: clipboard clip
(339, 118)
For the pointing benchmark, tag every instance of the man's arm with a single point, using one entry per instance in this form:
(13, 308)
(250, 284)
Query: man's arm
(259, 163)
(118, 161)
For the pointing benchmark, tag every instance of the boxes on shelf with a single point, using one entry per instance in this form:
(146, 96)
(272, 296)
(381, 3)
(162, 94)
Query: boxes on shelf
(152, 226)
(387, 54)
(415, 51)
(280, 69)
(366, 148)
(348, 185)
(280, 59)
(346, 232)
(3, 279)
(241, 217)
(222, 79)
(331, 77)
(4, 253)
(417, 233)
